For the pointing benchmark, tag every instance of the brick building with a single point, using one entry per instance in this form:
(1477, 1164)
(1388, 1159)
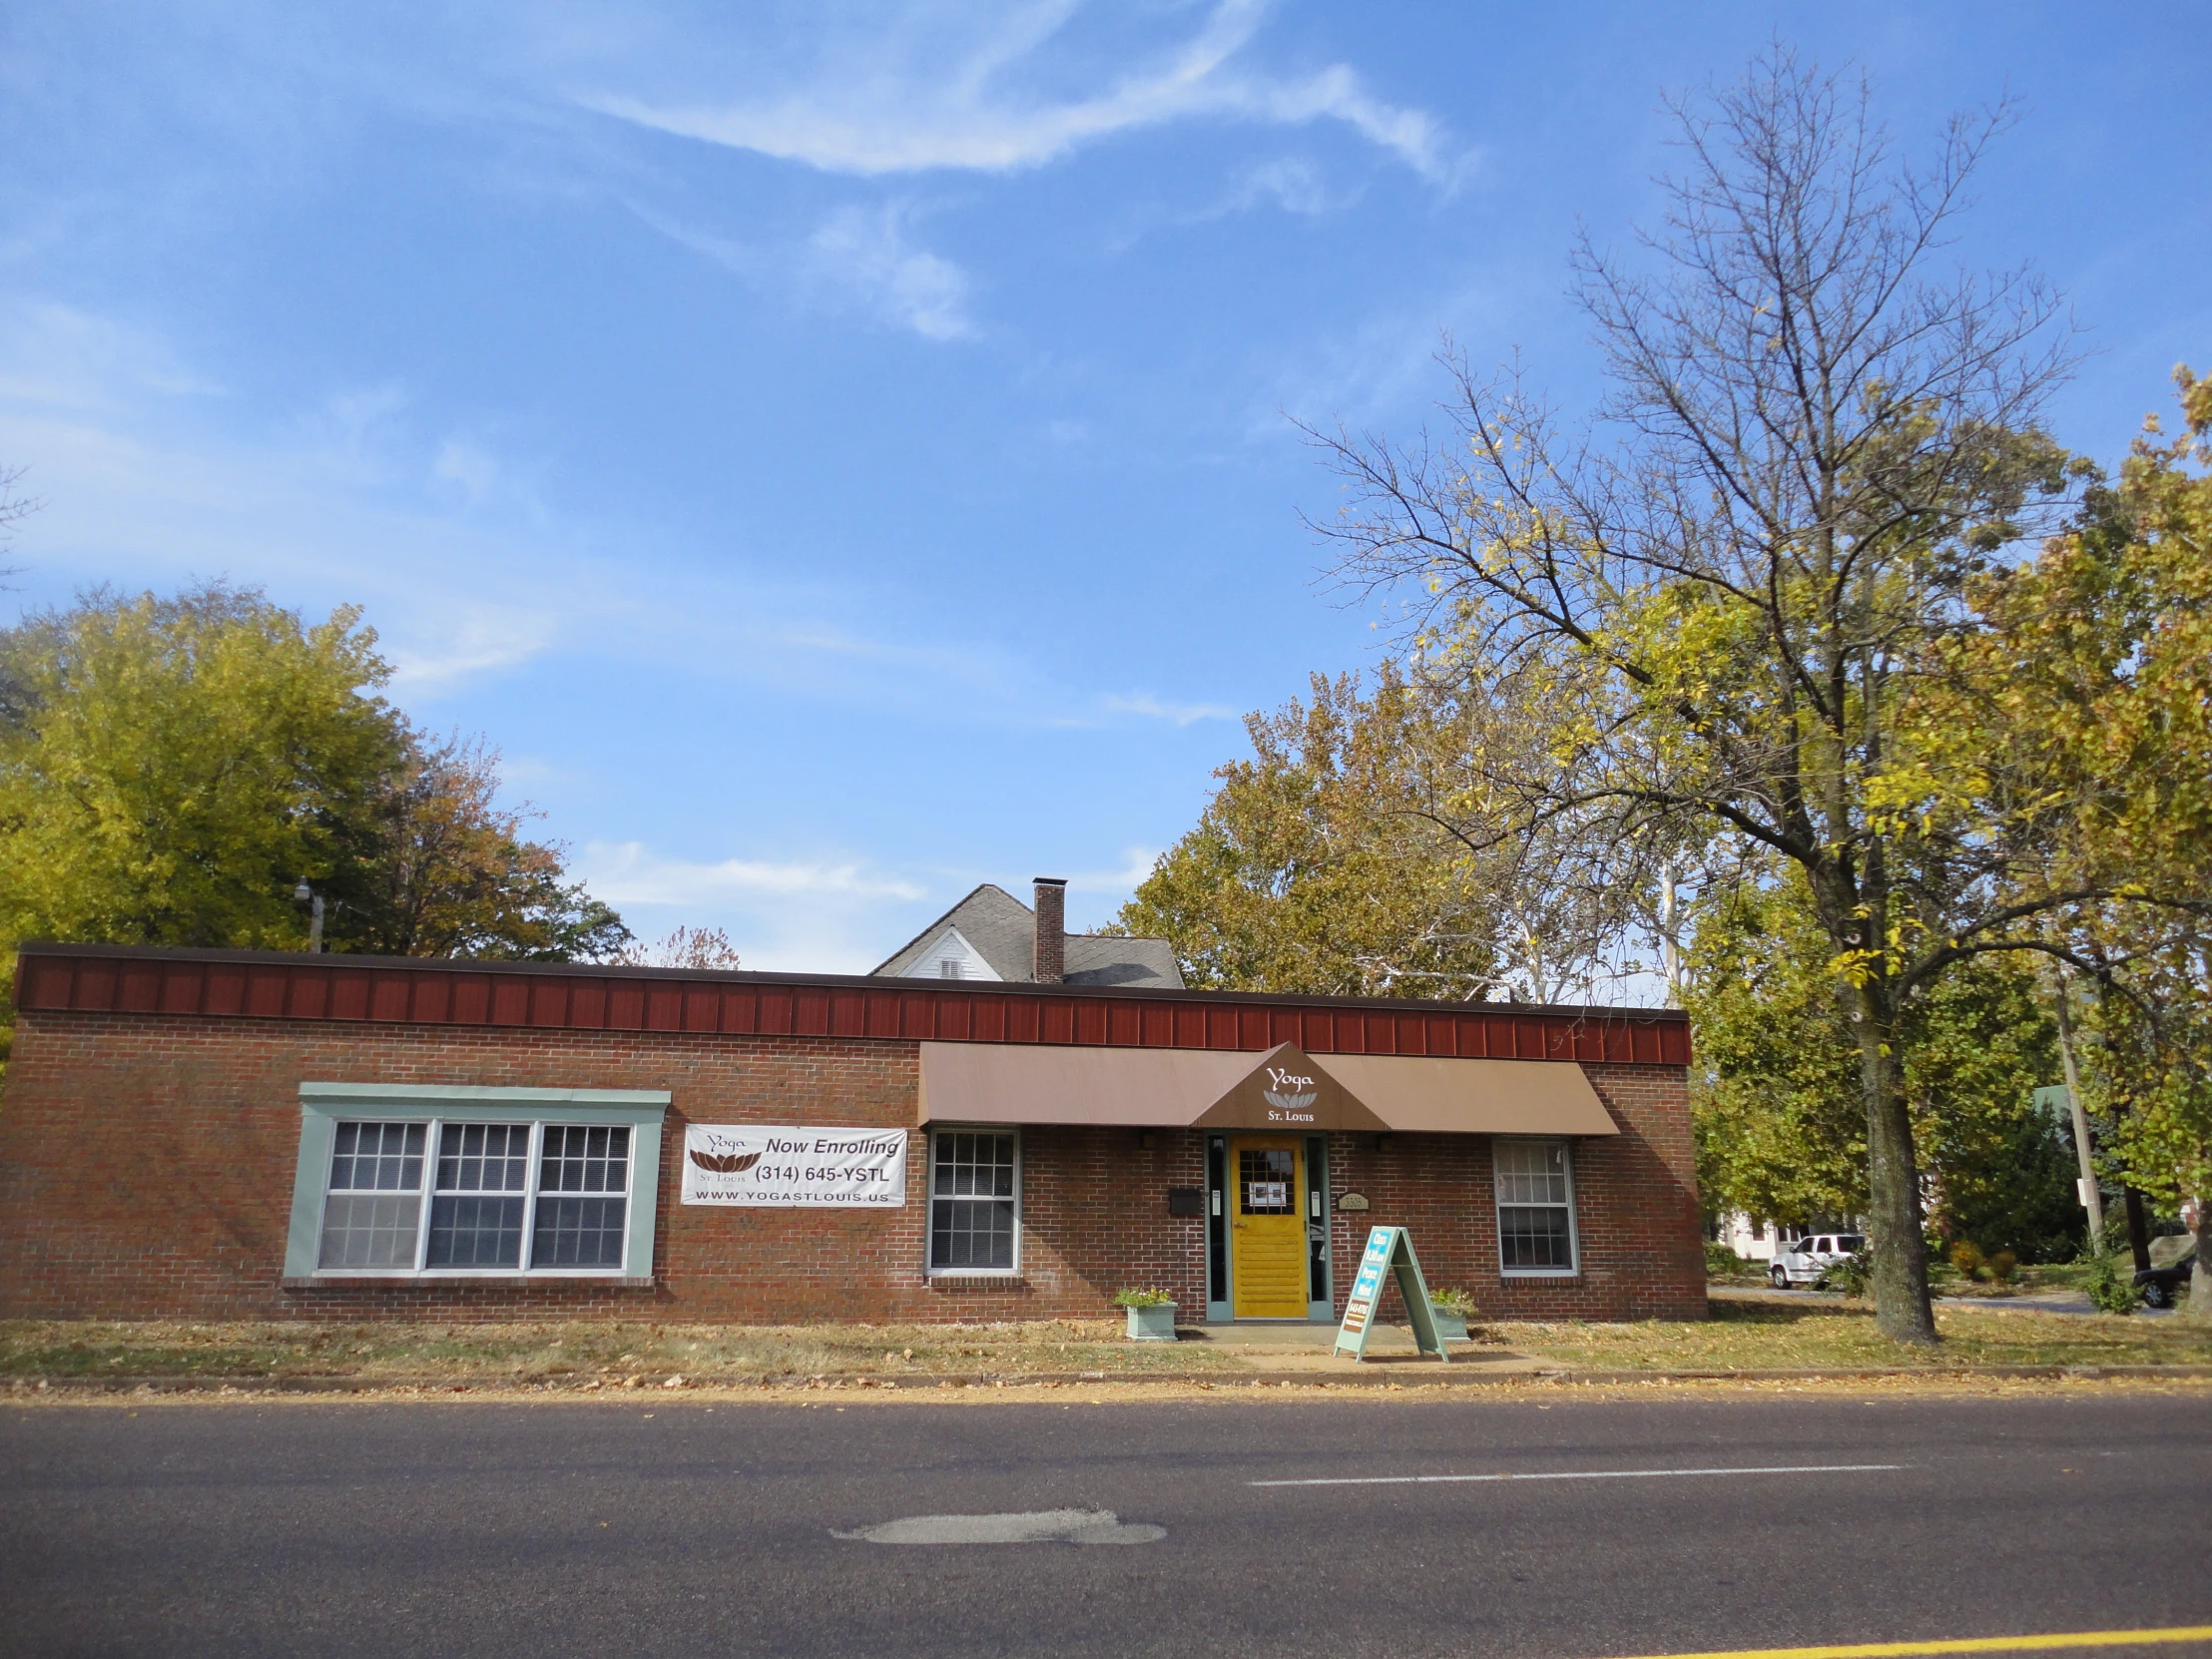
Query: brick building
(218, 1134)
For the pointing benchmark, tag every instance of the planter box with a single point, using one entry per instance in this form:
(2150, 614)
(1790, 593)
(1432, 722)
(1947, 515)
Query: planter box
(1152, 1324)
(1452, 1327)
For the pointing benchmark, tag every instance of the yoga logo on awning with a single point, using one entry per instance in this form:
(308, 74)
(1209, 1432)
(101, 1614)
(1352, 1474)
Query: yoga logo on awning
(1291, 1093)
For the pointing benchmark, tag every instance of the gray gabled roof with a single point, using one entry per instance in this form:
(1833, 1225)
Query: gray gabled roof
(1103, 959)
(1004, 931)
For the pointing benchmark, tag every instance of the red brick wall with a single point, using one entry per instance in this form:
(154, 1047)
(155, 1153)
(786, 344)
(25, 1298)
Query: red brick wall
(147, 1165)
(1635, 1204)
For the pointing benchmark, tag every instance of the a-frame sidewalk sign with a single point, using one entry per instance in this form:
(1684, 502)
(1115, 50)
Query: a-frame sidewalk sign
(1389, 1250)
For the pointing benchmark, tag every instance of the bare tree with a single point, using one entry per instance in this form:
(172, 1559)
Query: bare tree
(1500, 744)
(686, 948)
(1818, 434)
(14, 509)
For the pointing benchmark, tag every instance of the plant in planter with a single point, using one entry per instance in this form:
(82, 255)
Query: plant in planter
(1453, 1310)
(1151, 1315)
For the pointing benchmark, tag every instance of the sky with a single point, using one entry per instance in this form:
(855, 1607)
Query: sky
(843, 453)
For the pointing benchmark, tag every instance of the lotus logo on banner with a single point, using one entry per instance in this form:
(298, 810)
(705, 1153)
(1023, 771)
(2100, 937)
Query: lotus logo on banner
(733, 1163)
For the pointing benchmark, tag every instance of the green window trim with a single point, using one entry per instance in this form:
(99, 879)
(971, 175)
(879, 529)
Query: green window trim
(324, 1106)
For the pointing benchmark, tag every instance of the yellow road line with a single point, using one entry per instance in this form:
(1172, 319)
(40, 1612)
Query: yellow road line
(1975, 1644)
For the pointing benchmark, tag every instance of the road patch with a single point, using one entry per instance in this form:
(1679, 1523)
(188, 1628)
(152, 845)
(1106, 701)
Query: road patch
(1044, 1526)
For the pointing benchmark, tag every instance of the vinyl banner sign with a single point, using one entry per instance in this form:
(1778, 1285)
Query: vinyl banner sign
(748, 1164)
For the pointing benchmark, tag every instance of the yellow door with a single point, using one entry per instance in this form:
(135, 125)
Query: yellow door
(1269, 1227)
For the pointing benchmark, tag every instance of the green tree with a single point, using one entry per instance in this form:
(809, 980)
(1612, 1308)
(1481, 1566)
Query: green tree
(1780, 1120)
(2102, 678)
(446, 870)
(170, 768)
(1775, 1097)
(1313, 869)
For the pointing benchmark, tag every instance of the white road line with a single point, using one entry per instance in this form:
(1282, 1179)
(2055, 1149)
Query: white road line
(1577, 1474)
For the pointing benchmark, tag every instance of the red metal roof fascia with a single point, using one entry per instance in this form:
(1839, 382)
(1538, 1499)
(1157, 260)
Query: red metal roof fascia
(591, 996)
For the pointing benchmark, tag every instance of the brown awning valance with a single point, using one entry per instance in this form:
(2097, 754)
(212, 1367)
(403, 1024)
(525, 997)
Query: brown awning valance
(1284, 1088)
(1476, 1097)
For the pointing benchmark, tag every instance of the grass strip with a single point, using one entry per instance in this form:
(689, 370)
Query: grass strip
(1778, 1335)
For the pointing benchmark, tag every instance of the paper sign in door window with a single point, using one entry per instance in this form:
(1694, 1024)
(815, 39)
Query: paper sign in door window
(1266, 1195)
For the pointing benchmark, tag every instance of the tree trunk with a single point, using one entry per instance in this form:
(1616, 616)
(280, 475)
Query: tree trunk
(2138, 1230)
(1900, 1305)
(2200, 1281)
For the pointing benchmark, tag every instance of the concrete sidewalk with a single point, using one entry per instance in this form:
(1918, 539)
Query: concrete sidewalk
(1298, 1346)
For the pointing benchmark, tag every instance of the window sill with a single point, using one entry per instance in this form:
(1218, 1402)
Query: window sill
(1539, 1272)
(322, 1281)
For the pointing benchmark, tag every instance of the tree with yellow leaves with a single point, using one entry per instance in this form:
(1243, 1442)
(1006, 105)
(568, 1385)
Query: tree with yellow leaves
(1818, 444)
(2094, 681)
(170, 768)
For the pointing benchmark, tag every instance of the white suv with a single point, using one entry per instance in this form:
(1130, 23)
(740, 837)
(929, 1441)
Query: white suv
(1808, 1260)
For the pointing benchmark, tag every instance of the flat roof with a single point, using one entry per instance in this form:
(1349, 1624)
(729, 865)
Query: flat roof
(412, 991)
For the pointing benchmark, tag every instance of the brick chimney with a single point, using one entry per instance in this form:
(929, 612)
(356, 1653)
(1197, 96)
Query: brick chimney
(1051, 957)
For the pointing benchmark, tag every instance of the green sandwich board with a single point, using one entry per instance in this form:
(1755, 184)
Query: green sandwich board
(1389, 1250)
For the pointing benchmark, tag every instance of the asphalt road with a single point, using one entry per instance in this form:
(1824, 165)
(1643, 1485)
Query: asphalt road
(667, 1527)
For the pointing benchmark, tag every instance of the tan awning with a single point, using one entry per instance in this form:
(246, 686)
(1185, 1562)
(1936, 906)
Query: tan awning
(1024, 1083)
(1475, 1097)
(1282, 1089)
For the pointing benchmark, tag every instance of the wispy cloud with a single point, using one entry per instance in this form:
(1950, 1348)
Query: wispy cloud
(857, 256)
(864, 251)
(148, 479)
(152, 476)
(482, 641)
(1182, 713)
(1290, 183)
(628, 873)
(1137, 863)
(902, 116)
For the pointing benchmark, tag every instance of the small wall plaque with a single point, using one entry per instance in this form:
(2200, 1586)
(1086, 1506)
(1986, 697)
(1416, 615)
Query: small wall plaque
(1186, 1201)
(1352, 1201)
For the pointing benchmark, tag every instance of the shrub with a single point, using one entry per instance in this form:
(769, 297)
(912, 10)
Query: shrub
(1965, 1256)
(2002, 1266)
(1854, 1276)
(1454, 1302)
(2110, 1290)
(1128, 1298)
(1720, 1260)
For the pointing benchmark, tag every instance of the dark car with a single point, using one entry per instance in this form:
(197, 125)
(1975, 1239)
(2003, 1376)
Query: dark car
(2163, 1286)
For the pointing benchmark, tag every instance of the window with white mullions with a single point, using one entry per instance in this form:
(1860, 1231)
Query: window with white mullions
(1535, 1207)
(974, 1202)
(373, 1214)
(444, 1197)
(482, 1188)
(583, 1177)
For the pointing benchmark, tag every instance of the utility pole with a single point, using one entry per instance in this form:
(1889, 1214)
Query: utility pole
(2092, 1199)
(1670, 947)
(311, 902)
